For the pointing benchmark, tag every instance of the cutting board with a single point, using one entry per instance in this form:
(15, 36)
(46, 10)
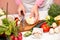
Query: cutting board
(27, 27)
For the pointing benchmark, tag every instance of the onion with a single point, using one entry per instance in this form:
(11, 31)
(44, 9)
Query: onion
(54, 25)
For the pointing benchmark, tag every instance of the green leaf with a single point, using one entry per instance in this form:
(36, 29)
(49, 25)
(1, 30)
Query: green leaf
(5, 22)
(2, 30)
(8, 32)
(50, 21)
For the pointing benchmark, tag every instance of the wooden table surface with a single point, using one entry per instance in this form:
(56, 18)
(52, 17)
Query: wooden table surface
(27, 26)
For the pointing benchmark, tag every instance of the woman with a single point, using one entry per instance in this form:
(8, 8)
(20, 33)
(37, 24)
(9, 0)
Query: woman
(32, 6)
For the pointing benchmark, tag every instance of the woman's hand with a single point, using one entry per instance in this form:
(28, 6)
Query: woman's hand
(34, 12)
(21, 8)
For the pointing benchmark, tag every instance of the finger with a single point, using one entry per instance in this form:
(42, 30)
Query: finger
(19, 13)
(36, 15)
(32, 14)
(24, 11)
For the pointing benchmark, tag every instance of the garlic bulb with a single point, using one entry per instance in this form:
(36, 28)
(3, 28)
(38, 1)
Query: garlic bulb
(51, 31)
(30, 20)
(37, 35)
(56, 30)
(37, 32)
(54, 25)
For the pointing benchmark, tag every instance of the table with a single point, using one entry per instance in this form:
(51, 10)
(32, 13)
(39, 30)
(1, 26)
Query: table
(45, 36)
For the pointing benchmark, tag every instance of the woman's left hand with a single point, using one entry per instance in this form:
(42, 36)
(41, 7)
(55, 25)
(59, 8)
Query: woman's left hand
(34, 12)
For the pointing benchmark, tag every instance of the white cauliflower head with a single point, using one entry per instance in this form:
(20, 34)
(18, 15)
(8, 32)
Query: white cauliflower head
(30, 20)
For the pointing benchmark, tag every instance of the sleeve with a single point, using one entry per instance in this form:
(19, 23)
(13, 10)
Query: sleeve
(18, 2)
(39, 2)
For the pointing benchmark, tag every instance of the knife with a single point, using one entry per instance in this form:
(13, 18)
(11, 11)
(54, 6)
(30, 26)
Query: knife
(22, 18)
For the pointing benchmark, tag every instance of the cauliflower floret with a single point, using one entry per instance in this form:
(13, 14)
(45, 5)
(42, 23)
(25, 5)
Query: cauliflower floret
(30, 20)
(48, 17)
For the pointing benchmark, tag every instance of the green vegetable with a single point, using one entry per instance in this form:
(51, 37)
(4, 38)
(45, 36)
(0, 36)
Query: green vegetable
(28, 33)
(50, 21)
(5, 22)
(2, 30)
(7, 27)
(9, 30)
(54, 10)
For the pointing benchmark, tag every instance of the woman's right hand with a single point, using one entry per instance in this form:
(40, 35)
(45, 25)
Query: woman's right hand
(21, 8)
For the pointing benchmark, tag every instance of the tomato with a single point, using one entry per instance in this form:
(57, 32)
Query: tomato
(45, 27)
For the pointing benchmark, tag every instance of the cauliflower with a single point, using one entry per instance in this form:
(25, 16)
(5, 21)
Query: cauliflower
(30, 20)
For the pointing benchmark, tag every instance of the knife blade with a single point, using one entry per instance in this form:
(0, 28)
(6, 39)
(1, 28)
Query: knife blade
(22, 18)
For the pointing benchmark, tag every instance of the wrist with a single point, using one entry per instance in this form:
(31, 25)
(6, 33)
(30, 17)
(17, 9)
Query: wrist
(39, 2)
(36, 6)
(20, 5)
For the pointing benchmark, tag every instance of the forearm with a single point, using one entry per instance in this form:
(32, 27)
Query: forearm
(39, 2)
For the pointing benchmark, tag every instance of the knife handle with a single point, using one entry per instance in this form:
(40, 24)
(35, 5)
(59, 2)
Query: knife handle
(22, 13)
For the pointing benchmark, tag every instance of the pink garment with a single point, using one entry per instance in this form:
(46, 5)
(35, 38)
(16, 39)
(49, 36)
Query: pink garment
(38, 2)
(18, 2)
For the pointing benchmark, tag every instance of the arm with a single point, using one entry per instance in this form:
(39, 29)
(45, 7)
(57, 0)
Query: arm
(39, 2)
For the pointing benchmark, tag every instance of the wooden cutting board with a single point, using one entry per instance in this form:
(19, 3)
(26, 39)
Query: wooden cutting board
(27, 26)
